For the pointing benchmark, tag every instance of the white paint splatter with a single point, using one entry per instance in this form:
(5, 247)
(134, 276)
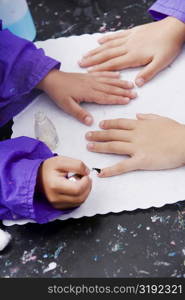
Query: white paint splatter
(28, 256)
(121, 229)
(161, 263)
(117, 247)
(5, 238)
(50, 267)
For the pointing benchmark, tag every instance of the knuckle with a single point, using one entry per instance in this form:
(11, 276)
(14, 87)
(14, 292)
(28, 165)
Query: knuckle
(110, 146)
(111, 133)
(76, 190)
(80, 200)
(104, 98)
(142, 157)
(119, 122)
(52, 185)
(53, 200)
(80, 114)
(81, 165)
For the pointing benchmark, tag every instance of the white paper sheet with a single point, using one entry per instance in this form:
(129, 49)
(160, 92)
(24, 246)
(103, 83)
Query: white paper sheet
(164, 95)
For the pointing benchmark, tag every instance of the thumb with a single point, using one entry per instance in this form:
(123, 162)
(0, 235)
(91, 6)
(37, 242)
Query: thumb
(79, 113)
(147, 116)
(148, 72)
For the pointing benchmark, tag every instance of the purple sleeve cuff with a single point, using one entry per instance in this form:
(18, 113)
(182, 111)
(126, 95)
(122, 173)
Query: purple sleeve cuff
(22, 65)
(20, 159)
(163, 8)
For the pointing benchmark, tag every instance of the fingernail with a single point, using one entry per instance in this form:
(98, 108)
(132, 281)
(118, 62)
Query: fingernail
(90, 146)
(102, 123)
(133, 94)
(88, 134)
(101, 174)
(126, 99)
(130, 84)
(88, 120)
(140, 81)
(87, 171)
(85, 55)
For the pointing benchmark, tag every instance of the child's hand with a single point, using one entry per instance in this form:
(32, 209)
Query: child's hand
(155, 45)
(152, 142)
(67, 90)
(60, 191)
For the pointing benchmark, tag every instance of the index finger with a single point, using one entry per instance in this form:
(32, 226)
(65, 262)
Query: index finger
(113, 36)
(128, 124)
(72, 165)
(125, 166)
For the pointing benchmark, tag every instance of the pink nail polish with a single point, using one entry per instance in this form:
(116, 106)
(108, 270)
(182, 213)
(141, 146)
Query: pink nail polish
(87, 171)
(90, 146)
(88, 134)
(140, 81)
(130, 84)
(85, 55)
(88, 120)
(102, 123)
(133, 94)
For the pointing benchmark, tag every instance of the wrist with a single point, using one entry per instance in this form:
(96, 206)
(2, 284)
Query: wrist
(177, 26)
(47, 80)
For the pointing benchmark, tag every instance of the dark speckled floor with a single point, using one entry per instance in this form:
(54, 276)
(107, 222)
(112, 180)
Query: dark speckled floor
(148, 243)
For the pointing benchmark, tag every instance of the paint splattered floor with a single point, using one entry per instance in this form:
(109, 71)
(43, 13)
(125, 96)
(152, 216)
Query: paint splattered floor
(148, 243)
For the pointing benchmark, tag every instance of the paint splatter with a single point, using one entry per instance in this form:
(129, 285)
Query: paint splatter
(50, 267)
(172, 243)
(121, 229)
(161, 263)
(59, 250)
(95, 258)
(28, 256)
(117, 247)
(171, 254)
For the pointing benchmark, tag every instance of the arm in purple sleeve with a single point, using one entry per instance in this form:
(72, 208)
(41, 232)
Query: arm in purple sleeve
(20, 159)
(22, 67)
(163, 8)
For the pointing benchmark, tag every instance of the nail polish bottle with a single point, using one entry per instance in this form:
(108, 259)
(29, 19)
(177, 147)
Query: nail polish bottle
(45, 130)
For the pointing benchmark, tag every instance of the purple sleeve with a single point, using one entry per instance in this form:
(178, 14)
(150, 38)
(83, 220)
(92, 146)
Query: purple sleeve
(163, 8)
(22, 67)
(20, 159)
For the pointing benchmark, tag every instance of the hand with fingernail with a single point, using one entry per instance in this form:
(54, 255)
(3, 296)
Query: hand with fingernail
(68, 90)
(154, 45)
(152, 142)
(60, 191)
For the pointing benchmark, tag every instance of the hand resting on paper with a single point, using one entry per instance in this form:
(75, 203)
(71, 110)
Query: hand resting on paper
(154, 45)
(60, 191)
(68, 90)
(152, 142)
